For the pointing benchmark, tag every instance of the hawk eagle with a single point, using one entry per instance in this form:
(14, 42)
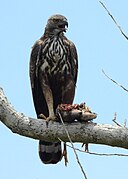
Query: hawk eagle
(53, 76)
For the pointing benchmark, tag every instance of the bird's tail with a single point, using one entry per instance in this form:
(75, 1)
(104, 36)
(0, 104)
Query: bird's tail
(49, 152)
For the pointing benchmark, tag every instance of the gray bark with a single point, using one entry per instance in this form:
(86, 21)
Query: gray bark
(88, 132)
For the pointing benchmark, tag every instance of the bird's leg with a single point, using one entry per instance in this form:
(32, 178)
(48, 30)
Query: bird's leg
(65, 154)
(49, 99)
(86, 147)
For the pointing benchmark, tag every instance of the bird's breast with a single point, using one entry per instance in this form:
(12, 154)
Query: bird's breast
(56, 51)
(55, 58)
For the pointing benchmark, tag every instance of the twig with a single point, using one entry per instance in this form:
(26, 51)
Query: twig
(100, 154)
(72, 146)
(114, 120)
(125, 122)
(114, 20)
(115, 81)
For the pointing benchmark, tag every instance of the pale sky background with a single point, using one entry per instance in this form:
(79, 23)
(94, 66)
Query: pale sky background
(100, 46)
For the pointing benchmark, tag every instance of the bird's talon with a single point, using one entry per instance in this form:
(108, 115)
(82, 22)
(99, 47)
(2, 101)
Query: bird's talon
(51, 118)
(64, 154)
(42, 116)
(86, 147)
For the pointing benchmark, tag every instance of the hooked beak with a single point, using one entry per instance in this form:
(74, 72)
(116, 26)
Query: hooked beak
(63, 26)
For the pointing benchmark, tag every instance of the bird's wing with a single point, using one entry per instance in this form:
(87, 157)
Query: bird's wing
(73, 57)
(38, 97)
(74, 61)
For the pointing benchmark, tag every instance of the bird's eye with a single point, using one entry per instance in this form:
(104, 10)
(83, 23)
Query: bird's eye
(55, 20)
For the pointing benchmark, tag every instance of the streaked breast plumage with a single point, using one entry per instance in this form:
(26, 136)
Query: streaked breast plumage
(55, 57)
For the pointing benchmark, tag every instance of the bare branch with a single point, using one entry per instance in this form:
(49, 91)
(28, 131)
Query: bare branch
(115, 81)
(125, 122)
(114, 120)
(100, 154)
(82, 132)
(77, 158)
(114, 20)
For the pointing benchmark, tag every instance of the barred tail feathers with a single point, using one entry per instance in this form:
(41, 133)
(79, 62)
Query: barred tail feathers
(49, 152)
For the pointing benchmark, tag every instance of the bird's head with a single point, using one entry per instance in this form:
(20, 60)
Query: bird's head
(57, 24)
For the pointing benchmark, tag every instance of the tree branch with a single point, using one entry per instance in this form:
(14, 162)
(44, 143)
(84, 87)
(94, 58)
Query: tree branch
(100, 154)
(88, 132)
(121, 86)
(120, 29)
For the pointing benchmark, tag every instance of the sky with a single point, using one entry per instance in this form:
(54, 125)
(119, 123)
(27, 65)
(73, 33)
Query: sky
(100, 45)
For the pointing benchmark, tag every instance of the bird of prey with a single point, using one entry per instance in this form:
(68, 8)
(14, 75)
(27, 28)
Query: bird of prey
(53, 76)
